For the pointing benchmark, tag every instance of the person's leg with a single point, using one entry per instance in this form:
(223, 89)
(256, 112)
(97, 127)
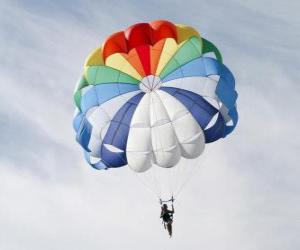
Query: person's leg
(169, 226)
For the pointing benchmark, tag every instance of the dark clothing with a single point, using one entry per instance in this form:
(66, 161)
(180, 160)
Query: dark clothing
(167, 216)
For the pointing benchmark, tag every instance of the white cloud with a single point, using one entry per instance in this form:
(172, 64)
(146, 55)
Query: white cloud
(244, 197)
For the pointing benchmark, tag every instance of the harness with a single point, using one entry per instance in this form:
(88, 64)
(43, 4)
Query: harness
(167, 201)
(167, 217)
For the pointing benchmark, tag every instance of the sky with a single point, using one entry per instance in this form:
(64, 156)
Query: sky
(245, 194)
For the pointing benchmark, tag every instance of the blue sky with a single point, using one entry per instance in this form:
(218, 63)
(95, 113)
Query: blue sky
(244, 196)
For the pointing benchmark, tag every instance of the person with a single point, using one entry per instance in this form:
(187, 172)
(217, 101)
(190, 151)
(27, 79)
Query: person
(167, 217)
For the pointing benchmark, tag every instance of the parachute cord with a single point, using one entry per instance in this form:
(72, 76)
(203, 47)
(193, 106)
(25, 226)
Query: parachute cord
(176, 179)
(192, 173)
(156, 182)
(155, 192)
(183, 184)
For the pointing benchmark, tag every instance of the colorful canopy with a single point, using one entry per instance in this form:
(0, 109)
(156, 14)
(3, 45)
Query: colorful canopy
(152, 94)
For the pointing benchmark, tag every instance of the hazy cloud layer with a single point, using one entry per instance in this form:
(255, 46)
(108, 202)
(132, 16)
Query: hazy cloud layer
(244, 196)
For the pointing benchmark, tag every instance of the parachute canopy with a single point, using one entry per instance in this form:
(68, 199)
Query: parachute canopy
(152, 94)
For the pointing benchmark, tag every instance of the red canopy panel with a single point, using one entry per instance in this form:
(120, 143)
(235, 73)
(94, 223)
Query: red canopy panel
(137, 35)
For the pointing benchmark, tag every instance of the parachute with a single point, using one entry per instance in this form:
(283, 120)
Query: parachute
(151, 96)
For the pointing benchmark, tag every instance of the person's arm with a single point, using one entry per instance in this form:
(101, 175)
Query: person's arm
(173, 211)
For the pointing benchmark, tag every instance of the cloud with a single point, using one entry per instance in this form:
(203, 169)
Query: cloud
(244, 196)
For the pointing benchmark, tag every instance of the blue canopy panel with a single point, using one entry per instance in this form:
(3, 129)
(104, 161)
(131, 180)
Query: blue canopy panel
(202, 111)
(84, 134)
(113, 149)
(96, 95)
(225, 90)
(98, 165)
(101, 93)
(77, 120)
